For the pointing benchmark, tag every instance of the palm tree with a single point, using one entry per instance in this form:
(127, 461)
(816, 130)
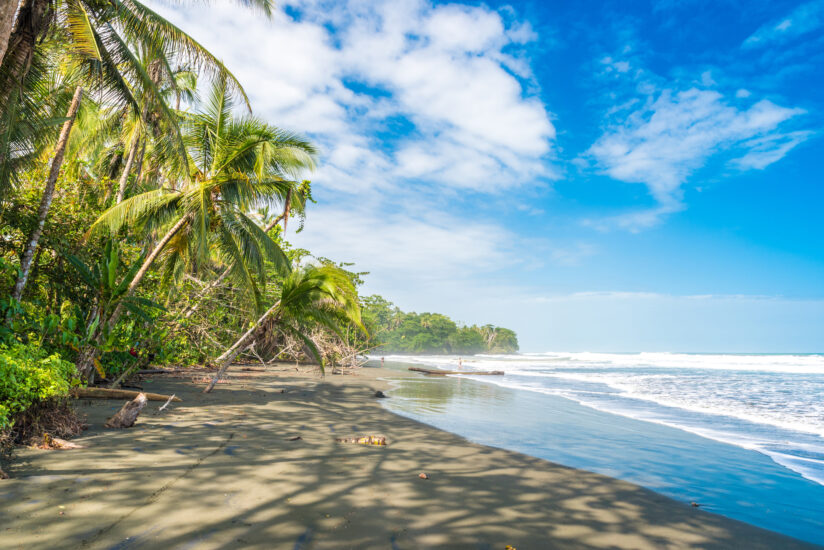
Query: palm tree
(96, 35)
(295, 203)
(107, 282)
(7, 12)
(99, 30)
(310, 296)
(235, 164)
(48, 195)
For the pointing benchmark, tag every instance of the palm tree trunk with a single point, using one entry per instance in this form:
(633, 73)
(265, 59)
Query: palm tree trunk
(242, 343)
(138, 175)
(31, 23)
(124, 177)
(85, 362)
(287, 205)
(48, 195)
(147, 263)
(8, 9)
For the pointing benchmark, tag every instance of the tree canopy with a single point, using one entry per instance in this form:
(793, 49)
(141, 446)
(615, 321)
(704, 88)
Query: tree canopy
(398, 332)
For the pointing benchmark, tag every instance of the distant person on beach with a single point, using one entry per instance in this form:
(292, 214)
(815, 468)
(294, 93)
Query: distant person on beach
(460, 362)
(381, 361)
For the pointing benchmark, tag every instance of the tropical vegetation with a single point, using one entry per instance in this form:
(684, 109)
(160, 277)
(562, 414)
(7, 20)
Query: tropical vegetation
(394, 331)
(143, 207)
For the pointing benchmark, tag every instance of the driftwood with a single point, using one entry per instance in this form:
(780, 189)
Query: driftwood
(445, 372)
(166, 404)
(50, 442)
(154, 371)
(127, 416)
(176, 370)
(104, 393)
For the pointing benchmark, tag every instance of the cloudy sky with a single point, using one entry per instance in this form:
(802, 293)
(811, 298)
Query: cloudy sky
(594, 176)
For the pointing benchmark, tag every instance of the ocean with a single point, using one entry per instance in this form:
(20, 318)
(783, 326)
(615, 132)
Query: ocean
(742, 435)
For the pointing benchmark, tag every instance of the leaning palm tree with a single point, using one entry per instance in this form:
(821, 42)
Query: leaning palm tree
(310, 296)
(235, 164)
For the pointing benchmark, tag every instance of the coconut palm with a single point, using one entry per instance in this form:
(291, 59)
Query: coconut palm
(98, 31)
(295, 202)
(310, 296)
(95, 36)
(235, 164)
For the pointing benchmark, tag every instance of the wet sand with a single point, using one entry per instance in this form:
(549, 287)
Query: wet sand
(219, 471)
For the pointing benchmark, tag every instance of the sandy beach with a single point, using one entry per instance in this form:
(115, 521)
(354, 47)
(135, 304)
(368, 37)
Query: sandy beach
(224, 470)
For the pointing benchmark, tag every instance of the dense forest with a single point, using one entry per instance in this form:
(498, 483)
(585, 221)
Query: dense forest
(394, 331)
(143, 208)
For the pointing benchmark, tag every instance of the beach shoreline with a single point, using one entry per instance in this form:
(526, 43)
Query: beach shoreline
(224, 470)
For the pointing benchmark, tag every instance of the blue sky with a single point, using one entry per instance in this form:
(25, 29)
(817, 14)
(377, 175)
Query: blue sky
(596, 175)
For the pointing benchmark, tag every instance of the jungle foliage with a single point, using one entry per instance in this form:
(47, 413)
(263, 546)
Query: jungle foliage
(395, 331)
(143, 207)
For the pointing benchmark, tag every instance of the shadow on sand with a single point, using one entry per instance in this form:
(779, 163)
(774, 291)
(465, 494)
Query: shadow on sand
(220, 471)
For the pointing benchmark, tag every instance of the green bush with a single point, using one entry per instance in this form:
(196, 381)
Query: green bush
(28, 375)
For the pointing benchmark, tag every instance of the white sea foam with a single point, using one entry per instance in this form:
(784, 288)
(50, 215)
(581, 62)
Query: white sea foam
(769, 403)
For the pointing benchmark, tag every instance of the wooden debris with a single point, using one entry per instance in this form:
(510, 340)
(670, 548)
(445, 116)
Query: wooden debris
(466, 372)
(62, 444)
(364, 440)
(104, 393)
(3, 475)
(166, 404)
(127, 416)
(296, 438)
(50, 443)
(176, 370)
(154, 371)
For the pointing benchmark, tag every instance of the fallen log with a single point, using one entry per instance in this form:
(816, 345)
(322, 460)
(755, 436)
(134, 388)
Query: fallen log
(467, 372)
(127, 415)
(105, 393)
(176, 370)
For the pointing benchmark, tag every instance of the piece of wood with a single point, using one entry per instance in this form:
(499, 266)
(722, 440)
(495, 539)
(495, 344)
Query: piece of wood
(155, 371)
(469, 373)
(166, 404)
(104, 393)
(50, 442)
(127, 415)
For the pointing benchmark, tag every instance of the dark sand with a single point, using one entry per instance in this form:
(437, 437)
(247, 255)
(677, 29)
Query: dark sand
(218, 471)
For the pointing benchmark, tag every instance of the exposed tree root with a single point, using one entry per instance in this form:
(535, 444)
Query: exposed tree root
(57, 418)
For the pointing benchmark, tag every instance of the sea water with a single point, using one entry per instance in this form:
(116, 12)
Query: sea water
(767, 406)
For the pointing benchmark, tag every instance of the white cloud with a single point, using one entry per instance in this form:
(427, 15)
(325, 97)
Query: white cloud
(343, 71)
(420, 249)
(803, 19)
(769, 149)
(412, 104)
(662, 143)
